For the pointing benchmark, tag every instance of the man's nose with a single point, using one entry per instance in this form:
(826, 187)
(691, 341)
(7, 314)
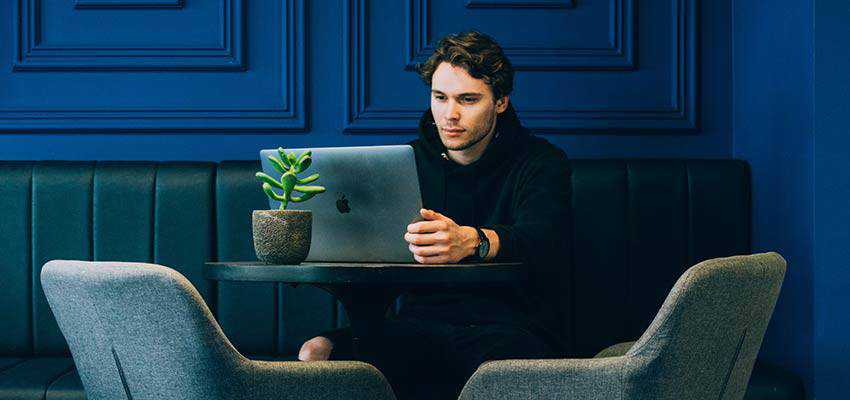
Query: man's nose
(453, 112)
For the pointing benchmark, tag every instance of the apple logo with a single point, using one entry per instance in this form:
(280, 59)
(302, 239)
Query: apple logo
(342, 205)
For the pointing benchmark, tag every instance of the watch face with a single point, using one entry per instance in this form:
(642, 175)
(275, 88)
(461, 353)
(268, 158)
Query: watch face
(483, 249)
(483, 245)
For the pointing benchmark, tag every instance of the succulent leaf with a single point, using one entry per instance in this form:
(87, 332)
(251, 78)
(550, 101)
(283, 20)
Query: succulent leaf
(305, 163)
(307, 153)
(284, 159)
(308, 179)
(278, 164)
(305, 197)
(292, 158)
(270, 192)
(267, 179)
(310, 189)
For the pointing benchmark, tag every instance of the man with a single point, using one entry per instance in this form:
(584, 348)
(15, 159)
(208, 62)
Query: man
(491, 192)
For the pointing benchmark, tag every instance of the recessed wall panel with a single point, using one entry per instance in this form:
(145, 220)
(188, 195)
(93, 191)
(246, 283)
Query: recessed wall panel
(620, 65)
(154, 69)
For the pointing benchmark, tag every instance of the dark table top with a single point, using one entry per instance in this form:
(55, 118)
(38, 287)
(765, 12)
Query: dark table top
(367, 273)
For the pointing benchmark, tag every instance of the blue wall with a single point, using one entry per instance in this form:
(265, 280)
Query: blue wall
(790, 109)
(772, 114)
(832, 196)
(601, 79)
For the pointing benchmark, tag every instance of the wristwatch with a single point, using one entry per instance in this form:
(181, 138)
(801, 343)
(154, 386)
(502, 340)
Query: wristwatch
(483, 246)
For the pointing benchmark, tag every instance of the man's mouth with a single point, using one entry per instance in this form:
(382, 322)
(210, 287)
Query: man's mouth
(453, 132)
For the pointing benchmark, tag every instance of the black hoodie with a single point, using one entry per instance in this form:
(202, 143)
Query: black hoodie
(520, 188)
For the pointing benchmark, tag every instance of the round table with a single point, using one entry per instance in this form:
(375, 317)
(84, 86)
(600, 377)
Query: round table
(366, 290)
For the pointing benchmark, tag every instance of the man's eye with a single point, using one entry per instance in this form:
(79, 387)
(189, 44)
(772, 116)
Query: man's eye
(469, 100)
(438, 97)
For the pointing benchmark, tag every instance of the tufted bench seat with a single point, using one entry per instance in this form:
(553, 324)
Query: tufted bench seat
(637, 225)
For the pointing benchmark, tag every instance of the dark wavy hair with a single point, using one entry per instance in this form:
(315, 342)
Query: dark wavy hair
(479, 55)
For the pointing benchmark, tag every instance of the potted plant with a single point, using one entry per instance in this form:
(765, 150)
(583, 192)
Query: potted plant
(283, 236)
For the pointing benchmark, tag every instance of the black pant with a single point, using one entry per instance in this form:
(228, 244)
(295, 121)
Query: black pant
(432, 359)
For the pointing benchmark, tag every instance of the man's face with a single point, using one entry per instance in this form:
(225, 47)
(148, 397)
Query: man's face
(463, 107)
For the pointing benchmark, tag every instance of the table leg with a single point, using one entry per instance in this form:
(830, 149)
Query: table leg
(366, 307)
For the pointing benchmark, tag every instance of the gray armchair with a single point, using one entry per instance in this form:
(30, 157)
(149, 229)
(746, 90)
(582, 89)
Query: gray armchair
(141, 331)
(701, 345)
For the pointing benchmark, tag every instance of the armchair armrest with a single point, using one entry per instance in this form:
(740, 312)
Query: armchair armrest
(618, 349)
(596, 378)
(312, 380)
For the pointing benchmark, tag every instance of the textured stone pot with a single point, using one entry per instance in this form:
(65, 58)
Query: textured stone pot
(282, 236)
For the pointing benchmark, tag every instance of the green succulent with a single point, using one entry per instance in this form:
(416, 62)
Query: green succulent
(290, 166)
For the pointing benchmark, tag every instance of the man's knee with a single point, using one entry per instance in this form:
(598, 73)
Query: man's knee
(316, 349)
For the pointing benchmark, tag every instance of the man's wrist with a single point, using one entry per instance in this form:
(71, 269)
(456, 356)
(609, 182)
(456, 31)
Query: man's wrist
(472, 238)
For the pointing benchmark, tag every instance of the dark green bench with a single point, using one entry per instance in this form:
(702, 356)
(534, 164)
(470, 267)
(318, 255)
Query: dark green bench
(673, 212)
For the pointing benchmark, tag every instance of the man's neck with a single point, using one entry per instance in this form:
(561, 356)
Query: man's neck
(472, 154)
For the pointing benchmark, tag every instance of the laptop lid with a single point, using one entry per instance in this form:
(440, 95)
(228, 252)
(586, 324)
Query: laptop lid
(372, 194)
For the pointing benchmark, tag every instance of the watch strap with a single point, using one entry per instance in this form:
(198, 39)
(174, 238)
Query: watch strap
(482, 239)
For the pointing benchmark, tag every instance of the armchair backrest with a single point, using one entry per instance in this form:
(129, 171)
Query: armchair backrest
(138, 330)
(704, 340)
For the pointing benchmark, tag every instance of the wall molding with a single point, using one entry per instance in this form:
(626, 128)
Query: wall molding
(542, 4)
(106, 4)
(359, 117)
(680, 116)
(619, 56)
(33, 55)
(292, 117)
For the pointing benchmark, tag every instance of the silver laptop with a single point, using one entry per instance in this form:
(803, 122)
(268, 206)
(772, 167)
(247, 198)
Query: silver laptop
(372, 195)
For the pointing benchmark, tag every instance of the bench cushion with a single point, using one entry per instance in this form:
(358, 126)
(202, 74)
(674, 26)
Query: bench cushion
(30, 379)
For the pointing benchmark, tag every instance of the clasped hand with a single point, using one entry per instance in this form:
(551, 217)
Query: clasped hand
(439, 240)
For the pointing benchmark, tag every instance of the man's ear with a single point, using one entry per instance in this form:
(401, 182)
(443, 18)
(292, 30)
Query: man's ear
(502, 104)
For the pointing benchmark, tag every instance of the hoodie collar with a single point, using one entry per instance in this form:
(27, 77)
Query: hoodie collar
(508, 135)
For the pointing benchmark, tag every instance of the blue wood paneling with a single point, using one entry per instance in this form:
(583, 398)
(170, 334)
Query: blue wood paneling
(575, 82)
(579, 66)
(611, 50)
(128, 4)
(121, 69)
(211, 38)
(166, 66)
(520, 4)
